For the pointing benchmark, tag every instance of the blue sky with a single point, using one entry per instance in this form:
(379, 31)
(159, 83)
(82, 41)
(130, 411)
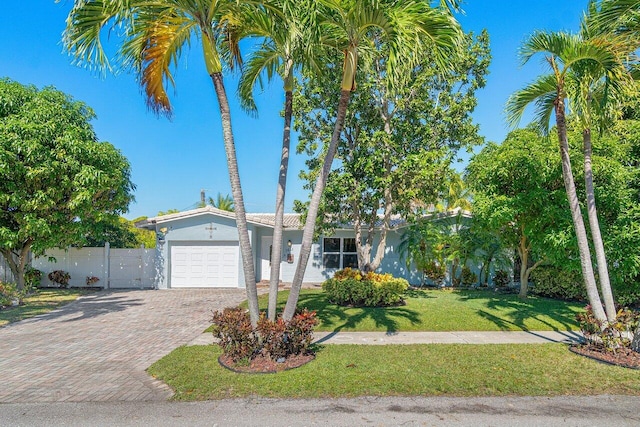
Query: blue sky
(173, 160)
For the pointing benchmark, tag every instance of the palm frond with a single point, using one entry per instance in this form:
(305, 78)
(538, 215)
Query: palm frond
(543, 92)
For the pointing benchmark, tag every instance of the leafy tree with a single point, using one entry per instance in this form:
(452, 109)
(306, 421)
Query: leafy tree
(354, 27)
(168, 212)
(120, 233)
(396, 147)
(152, 35)
(518, 194)
(57, 181)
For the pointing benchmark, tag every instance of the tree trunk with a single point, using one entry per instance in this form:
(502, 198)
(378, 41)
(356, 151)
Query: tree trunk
(576, 214)
(312, 213)
(603, 270)
(238, 200)
(276, 251)
(523, 251)
(635, 344)
(18, 265)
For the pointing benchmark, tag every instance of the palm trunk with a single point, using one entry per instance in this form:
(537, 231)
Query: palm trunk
(603, 270)
(314, 205)
(238, 200)
(276, 253)
(576, 214)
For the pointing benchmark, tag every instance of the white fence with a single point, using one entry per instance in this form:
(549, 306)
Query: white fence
(5, 271)
(116, 268)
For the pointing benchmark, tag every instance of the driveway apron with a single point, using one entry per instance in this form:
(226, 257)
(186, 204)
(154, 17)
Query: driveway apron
(98, 347)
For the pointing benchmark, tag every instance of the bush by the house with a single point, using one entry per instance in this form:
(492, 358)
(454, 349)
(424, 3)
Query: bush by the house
(32, 278)
(554, 282)
(91, 280)
(468, 277)
(351, 287)
(614, 335)
(9, 294)
(60, 277)
(435, 272)
(501, 279)
(275, 340)
(627, 293)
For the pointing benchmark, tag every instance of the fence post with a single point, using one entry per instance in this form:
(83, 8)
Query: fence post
(107, 267)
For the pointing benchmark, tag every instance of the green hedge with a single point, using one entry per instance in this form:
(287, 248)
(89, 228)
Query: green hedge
(555, 282)
(350, 287)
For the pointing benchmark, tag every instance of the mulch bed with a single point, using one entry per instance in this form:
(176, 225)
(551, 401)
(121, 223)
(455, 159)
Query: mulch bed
(624, 357)
(264, 365)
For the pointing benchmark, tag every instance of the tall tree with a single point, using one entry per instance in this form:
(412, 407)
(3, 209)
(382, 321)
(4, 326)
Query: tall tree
(153, 34)
(58, 183)
(518, 194)
(355, 26)
(288, 43)
(563, 53)
(397, 144)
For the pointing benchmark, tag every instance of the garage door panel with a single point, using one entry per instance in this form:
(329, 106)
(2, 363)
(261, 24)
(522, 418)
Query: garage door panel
(205, 266)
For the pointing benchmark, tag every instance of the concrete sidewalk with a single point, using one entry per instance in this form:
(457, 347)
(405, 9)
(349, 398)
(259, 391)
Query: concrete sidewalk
(457, 337)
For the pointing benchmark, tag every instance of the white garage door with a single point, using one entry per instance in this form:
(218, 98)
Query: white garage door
(211, 266)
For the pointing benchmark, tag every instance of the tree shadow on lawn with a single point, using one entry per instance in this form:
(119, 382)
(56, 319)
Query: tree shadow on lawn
(339, 318)
(517, 311)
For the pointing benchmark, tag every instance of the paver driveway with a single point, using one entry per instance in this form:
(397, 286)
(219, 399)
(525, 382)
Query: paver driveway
(98, 347)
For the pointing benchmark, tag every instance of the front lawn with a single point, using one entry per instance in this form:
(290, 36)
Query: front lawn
(425, 370)
(41, 302)
(443, 310)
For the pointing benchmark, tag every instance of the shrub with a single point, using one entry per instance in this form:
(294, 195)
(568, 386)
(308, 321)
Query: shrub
(232, 328)
(612, 337)
(60, 277)
(350, 287)
(279, 339)
(627, 292)
(501, 279)
(32, 278)
(90, 280)
(9, 293)
(468, 277)
(554, 282)
(435, 272)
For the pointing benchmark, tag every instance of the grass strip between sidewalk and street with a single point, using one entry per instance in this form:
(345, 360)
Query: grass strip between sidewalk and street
(402, 370)
(43, 301)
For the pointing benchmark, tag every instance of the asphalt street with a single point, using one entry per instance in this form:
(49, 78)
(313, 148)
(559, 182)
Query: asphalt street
(387, 411)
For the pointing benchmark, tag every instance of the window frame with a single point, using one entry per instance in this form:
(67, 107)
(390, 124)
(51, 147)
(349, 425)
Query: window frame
(341, 253)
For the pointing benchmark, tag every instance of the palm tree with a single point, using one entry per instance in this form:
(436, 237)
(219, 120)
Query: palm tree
(354, 26)
(153, 34)
(224, 203)
(287, 45)
(564, 54)
(456, 196)
(620, 17)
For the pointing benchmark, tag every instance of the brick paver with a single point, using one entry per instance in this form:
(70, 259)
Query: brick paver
(97, 348)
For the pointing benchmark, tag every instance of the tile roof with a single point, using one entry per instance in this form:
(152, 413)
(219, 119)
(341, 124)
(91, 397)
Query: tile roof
(291, 221)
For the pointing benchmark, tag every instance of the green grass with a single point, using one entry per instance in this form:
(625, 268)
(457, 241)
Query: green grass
(425, 370)
(42, 302)
(443, 310)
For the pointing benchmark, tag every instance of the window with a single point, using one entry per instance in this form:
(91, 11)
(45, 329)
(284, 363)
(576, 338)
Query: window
(339, 252)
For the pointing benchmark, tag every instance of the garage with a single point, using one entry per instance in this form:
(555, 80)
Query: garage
(205, 266)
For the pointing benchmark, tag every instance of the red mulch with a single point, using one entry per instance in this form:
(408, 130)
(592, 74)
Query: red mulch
(263, 365)
(624, 357)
